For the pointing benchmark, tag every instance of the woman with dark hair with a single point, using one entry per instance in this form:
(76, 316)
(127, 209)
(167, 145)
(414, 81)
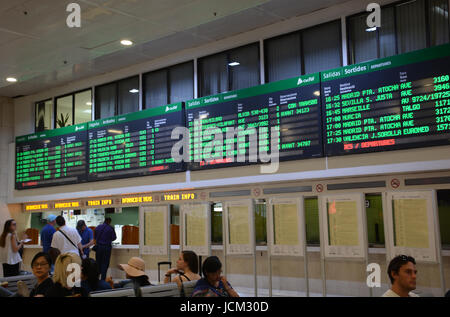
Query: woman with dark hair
(87, 237)
(187, 268)
(90, 277)
(9, 241)
(41, 265)
(213, 284)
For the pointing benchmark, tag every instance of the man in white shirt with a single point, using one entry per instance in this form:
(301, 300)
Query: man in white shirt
(402, 272)
(71, 242)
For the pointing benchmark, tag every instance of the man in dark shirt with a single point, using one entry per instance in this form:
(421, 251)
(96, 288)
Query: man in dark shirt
(47, 233)
(104, 236)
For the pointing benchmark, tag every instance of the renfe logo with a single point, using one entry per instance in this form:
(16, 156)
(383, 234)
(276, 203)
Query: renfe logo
(171, 108)
(307, 80)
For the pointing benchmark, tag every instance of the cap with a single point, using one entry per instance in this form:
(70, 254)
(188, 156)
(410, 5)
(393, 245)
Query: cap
(51, 218)
(134, 268)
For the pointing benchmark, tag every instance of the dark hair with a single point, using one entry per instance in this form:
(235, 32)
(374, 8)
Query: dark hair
(42, 254)
(191, 259)
(80, 224)
(53, 253)
(60, 221)
(89, 269)
(211, 265)
(5, 232)
(396, 263)
(108, 220)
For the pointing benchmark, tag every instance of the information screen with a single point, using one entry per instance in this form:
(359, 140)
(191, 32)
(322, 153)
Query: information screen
(54, 157)
(391, 103)
(290, 107)
(134, 144)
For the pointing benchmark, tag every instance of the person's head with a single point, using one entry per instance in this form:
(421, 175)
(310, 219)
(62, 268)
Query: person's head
(188, 260)
(60, 221)
(9, 227)
(134, 268)
(61, 274)
(90, 273)
(41, 265)
(402, 272)
(212, 269)
(51, 219)
(81, 225)
(108, 220)
(53, 253)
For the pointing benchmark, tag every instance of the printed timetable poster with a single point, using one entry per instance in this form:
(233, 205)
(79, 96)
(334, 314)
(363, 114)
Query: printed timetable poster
(388, 104)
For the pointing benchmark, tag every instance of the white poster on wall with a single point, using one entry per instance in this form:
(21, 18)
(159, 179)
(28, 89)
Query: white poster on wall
(285, 227)
(343, 226)
(154, 230)
(411, 225)
(196, 228)
(239, 227)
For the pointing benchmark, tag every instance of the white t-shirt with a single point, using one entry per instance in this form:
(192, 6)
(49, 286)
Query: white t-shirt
(11, 256)
(391, 293)
(59, 241)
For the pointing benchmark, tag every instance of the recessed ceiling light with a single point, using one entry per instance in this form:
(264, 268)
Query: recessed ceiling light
(134, 91)
(88, 103)
(126, 42)
(87, 111)
(11, 79)
(371, 29)
(317, 93)
(234, 63)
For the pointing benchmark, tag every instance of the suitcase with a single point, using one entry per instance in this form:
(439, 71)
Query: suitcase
(159, 265)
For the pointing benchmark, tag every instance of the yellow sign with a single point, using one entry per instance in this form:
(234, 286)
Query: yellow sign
(239, 225)
(137, 199)
(154, 228)
(102, 202)
(70, 204)
(36, 207)
(196, 226)
(185, 196)
(343, 223)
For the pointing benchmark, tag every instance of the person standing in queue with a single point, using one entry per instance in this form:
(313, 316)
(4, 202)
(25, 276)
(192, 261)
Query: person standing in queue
(104, 235)
(47, 233)
(66, 239)
(10, 242)
(87, 237)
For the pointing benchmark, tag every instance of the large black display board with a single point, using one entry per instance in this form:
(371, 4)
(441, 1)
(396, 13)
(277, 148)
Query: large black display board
(134, 144)
(289, 108)
(392, 103)
(54, 157)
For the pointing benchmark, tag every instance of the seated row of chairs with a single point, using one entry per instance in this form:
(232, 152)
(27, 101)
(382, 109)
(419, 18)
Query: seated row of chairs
(29, 279)
(164, 290)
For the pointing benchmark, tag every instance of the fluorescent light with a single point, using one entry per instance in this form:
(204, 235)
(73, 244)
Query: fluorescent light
(88, 103)
(234, 64)
(371, 29)
(11, 80)
(126, 42)
(87, 111)
(134, 91)
(317, 93)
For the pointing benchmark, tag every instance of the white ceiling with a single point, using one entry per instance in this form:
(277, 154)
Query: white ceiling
(39, 49)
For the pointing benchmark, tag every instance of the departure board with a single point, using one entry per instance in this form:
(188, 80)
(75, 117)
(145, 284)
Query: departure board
(392, 103)
(54, 157)
(289, 109)
(134, 144)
